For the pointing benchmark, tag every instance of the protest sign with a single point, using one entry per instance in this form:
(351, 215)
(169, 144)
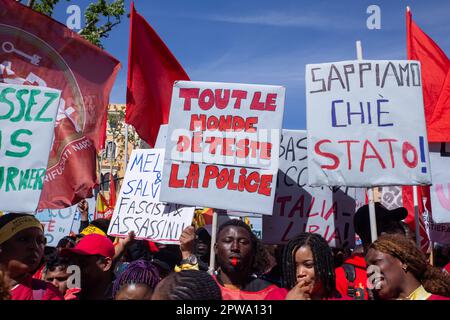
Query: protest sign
(300, 208)
(440, 190)
(138, 207)
(222, 145)
(38, 50)
(366, 124)
(57, 223)
(437, 232)
(27, 119)
(391, 197)
(162, 137)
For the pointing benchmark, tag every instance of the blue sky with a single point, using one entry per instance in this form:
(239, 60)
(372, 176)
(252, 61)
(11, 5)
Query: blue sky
(270, 42)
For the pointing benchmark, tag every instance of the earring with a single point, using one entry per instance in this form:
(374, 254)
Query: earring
(404, 267)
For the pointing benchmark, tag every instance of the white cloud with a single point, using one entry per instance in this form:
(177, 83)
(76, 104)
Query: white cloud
(283, 19)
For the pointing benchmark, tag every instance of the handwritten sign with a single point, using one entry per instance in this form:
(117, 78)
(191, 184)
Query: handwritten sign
(27, 117)
(222, 145)
(440, 190)
(139, 208)
(366, 124)
(300, 208)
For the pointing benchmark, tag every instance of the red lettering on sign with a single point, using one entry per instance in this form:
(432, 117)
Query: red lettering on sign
(331, 156)
(238, 95)
(193, 176)
(174, 182)
(374, 156)
(187, 94)
(406, 148)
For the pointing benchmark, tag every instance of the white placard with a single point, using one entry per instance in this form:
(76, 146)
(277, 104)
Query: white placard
(440, 190)
(27, 117)
(139, 208)
(300, 208)
(366, 124)
(222, 145)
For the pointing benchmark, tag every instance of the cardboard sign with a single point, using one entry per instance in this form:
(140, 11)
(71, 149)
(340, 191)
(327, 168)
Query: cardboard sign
(138, 207)
(440, 190)
(222, 145)
(366, 124)
(27, 118)
(300, 208)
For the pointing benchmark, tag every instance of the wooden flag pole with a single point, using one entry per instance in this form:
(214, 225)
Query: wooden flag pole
(372, 215)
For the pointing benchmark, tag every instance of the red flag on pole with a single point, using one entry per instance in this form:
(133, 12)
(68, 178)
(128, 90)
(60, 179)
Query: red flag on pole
(436, 96)
(435, 80)
(152, 70)
(59, 58)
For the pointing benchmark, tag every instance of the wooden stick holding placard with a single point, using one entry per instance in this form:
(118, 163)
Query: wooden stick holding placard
(372, 215)
(212, 257)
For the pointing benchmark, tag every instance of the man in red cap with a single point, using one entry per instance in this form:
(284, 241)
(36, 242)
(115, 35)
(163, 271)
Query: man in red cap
(94, 256)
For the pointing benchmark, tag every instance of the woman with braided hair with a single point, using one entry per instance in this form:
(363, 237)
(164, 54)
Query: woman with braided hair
(188, 285)
(308, 268)
(137, 282)
(397, 269)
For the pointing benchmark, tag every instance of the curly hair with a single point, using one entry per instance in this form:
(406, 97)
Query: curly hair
(137, 272)
(433, 279)
(189, 285)
(323, 262)
(261, 260)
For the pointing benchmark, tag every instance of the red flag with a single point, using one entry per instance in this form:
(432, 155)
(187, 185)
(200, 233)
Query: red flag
(435, 80)
(152, 70)
(59, 58)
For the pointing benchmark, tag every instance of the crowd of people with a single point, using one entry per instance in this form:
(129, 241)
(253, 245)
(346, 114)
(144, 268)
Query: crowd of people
(94, 266)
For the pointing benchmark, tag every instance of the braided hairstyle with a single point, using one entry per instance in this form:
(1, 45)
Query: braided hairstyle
(189, 285)
(323, 262)
(261, 262)
(137, 272)
(433, 279)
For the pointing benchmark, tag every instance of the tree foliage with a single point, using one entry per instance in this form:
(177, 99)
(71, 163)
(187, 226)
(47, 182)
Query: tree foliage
(100, 17)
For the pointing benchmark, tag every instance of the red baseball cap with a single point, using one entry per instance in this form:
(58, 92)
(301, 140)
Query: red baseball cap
(92, 244)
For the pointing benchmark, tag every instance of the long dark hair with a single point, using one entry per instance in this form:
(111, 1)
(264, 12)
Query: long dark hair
(323, 262)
